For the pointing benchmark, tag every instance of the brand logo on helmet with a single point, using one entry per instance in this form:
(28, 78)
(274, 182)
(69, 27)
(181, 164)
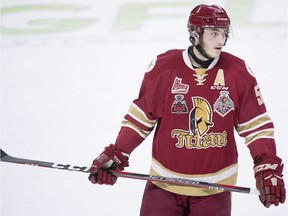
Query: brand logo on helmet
(224, 19)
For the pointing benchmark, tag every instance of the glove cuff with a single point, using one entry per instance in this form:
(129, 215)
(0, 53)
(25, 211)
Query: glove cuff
(119, 160)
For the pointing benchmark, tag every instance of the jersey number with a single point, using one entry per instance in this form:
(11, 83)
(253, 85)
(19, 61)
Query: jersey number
(258, 95)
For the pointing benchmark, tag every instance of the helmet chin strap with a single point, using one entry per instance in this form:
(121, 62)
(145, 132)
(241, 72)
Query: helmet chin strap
(206, 63)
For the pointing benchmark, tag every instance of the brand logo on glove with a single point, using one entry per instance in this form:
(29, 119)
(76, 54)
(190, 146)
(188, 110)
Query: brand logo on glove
(265, 167)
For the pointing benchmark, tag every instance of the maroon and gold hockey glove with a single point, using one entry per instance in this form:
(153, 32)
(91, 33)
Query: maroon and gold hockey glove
(268, 173)
(109, 159)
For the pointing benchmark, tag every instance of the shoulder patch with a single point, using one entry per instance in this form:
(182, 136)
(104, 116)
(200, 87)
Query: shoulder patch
(249, 69)
(151, 65)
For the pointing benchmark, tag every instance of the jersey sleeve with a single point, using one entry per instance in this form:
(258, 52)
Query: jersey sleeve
(144, 112)
(252, 121)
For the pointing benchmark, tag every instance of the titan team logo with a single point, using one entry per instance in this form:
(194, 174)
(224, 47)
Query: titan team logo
(178, 87)
(224, 104)
(198, 136)
(200, 116)
(179, 106)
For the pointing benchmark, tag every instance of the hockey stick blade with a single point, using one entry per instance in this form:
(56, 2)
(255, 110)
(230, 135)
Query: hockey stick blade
(7, 158)
(179, 181)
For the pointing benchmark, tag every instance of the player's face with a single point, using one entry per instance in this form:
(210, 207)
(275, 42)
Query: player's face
(213, 40)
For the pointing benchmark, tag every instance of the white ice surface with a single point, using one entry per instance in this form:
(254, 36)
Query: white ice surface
(63, 96)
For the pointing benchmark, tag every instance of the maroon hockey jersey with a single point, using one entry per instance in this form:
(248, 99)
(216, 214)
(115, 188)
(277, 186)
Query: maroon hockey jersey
(195, 113)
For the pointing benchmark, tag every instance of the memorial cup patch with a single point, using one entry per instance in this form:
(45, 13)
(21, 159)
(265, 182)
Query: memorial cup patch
(224, 104)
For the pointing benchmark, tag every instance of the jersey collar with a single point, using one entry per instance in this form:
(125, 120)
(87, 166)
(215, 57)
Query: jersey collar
(187, 61)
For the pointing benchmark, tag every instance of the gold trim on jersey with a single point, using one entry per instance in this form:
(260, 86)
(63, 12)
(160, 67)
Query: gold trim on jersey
(136, 113)
(253, 124)
(200, 75)
(227, 175)
(141, 132)
(267, 133)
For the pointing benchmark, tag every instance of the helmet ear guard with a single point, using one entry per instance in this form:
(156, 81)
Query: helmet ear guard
(193, 35)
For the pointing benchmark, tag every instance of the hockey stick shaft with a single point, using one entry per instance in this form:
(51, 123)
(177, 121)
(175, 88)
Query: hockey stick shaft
(187, 182)
(179, 181)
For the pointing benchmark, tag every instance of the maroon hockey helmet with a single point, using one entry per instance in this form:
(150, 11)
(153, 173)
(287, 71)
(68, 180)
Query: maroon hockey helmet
(203, 16)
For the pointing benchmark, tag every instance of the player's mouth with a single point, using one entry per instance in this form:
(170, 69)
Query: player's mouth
(218, 49)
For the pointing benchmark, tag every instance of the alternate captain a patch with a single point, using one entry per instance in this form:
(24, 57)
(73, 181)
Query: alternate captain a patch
(223, 104)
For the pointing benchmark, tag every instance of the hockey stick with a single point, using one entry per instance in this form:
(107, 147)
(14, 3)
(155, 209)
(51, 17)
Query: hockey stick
(179, 181)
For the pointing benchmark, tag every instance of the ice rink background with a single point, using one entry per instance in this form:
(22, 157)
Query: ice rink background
(69, 71)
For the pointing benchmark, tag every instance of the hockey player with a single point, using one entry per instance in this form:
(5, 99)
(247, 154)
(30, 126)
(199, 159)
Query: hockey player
(195, 98)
